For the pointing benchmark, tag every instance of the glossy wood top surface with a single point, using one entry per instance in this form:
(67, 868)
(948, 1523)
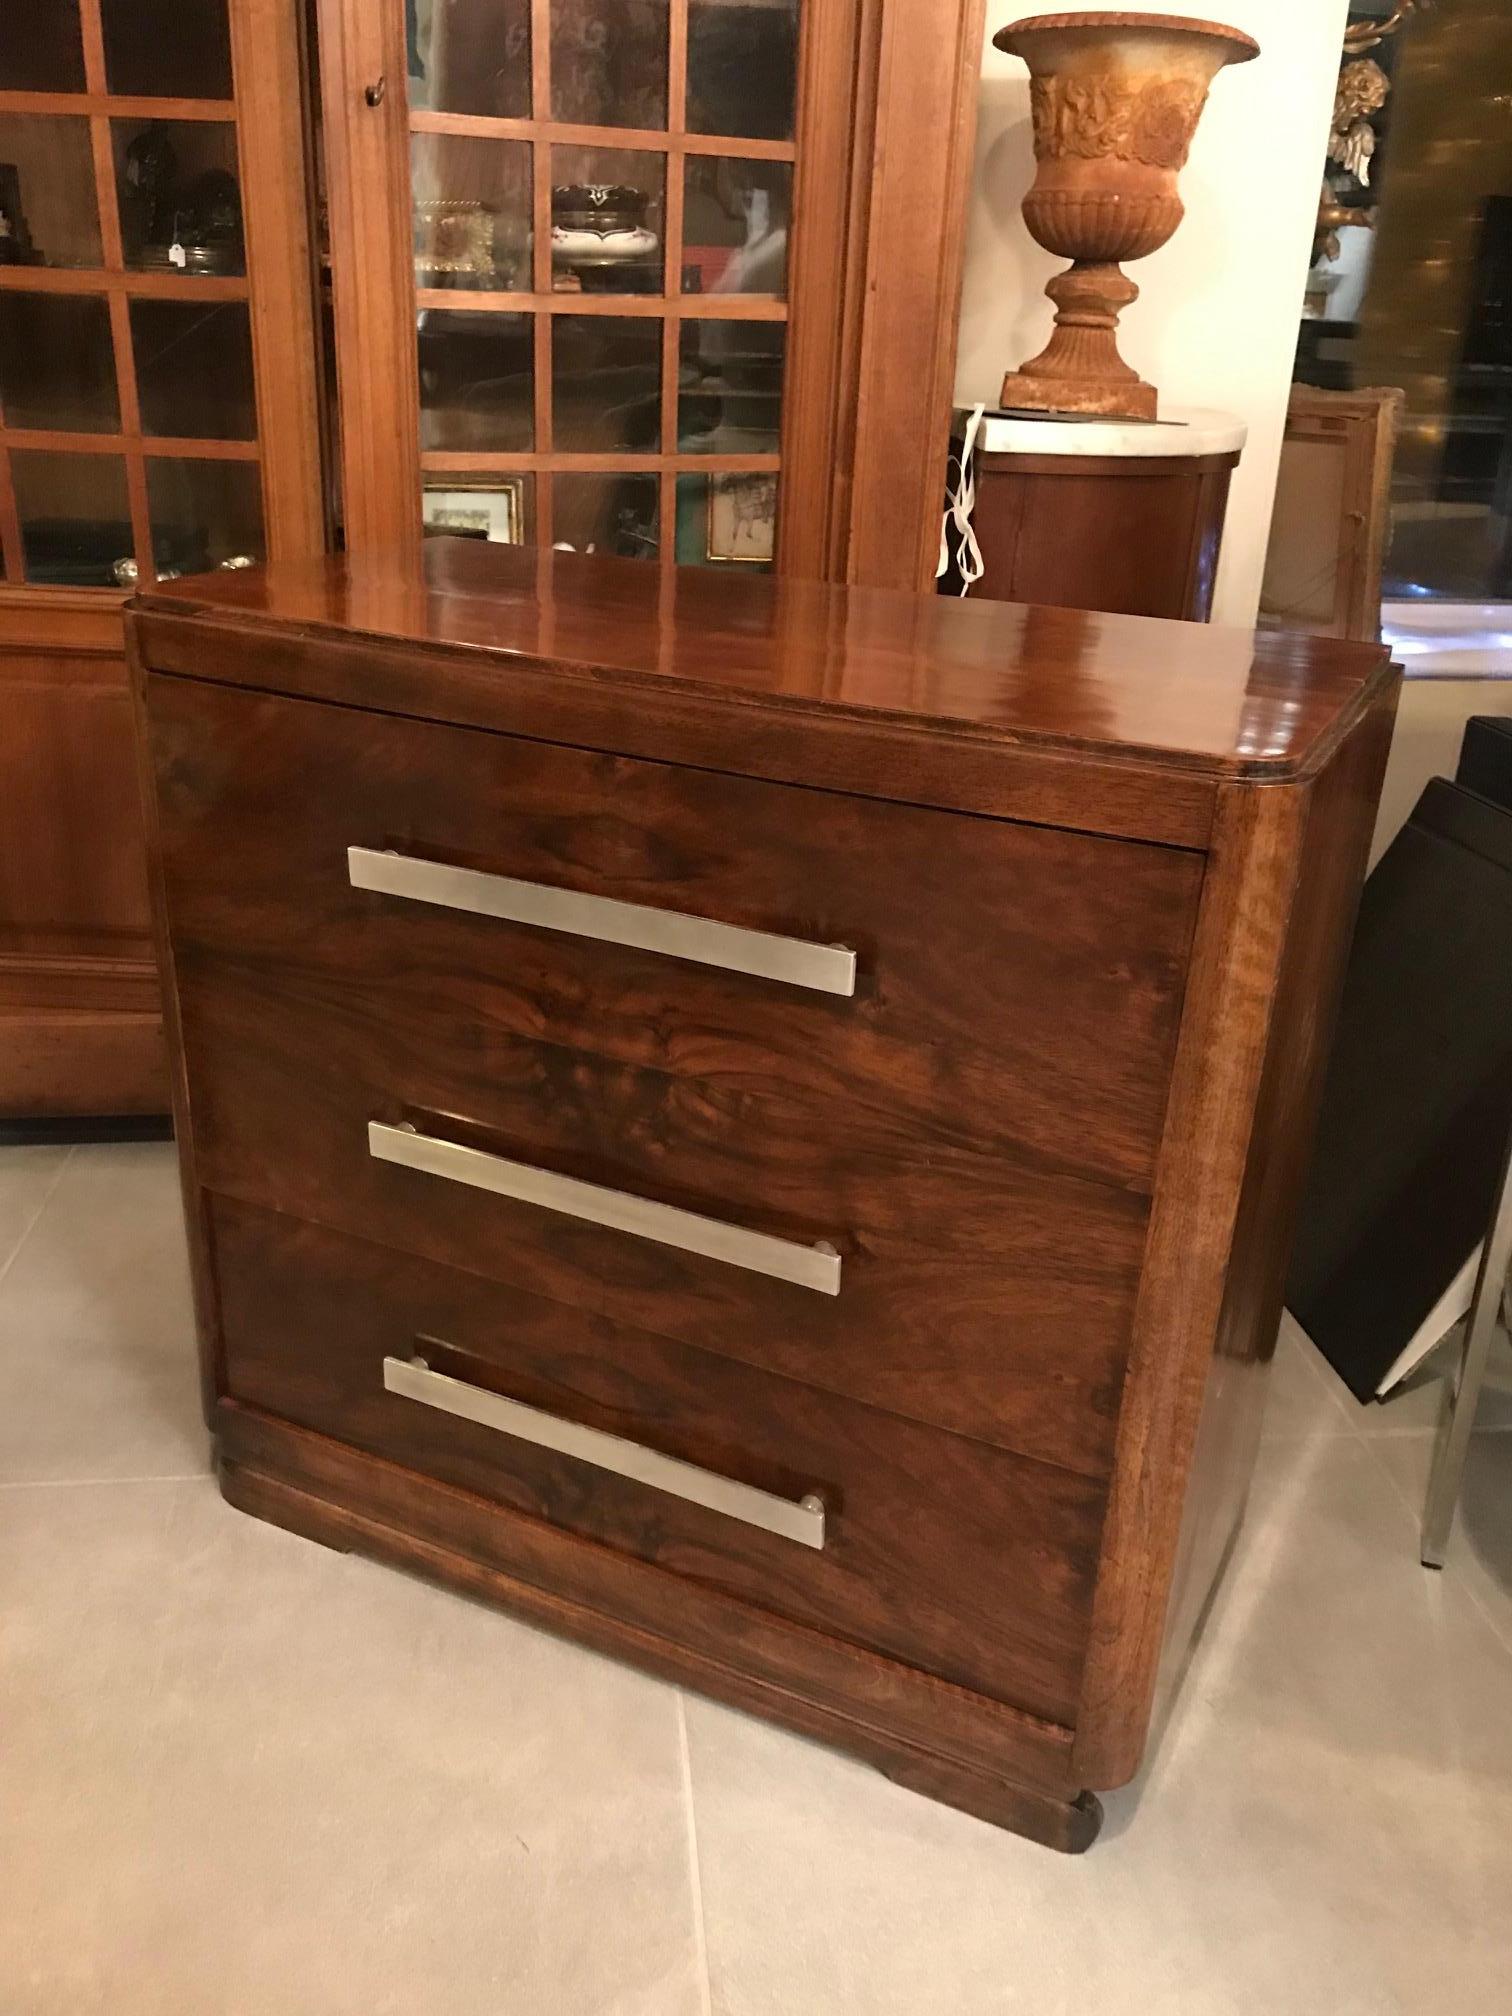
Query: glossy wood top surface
(1269, 705)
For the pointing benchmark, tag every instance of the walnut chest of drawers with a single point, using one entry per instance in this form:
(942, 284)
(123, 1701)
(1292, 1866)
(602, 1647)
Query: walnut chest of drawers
(755, 1124)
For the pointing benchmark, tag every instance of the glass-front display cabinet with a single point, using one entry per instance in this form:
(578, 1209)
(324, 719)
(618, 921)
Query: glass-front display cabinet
(602, 306)
(157, 416)
(638, 263)
(668, 279)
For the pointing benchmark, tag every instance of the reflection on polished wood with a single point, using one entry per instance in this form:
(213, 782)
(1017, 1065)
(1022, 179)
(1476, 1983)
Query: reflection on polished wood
(1220, 702)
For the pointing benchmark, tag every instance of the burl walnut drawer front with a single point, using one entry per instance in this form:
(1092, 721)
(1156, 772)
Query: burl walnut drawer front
(933, 1549)
(961, 1147)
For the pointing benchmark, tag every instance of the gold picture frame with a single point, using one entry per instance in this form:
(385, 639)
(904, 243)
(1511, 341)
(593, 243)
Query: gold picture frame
(490, 507)
(742, 524)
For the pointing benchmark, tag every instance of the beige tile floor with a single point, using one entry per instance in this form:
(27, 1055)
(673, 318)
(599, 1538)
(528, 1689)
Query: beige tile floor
(243, 1776)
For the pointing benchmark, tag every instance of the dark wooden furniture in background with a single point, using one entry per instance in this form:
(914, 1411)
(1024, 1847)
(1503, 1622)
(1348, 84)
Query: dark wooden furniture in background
(792, 338)
(151, 418)
(1332, 518)
(922, 1183)
(768, 384)
(1131, 534)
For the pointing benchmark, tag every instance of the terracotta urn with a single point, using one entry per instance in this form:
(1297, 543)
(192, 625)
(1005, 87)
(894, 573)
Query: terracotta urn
(1116, 101)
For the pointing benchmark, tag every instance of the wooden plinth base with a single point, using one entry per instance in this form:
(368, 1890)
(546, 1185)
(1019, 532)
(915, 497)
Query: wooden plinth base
(1080, 370)
(1118, 399)
(1067, 1823)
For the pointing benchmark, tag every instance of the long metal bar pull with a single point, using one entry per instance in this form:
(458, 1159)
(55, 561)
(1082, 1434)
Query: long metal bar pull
(816, 1267)
(826, 969)
(794, 1519)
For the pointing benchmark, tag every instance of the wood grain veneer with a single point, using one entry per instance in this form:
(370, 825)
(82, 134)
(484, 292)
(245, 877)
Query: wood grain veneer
(1135, 534)
(1098, 877)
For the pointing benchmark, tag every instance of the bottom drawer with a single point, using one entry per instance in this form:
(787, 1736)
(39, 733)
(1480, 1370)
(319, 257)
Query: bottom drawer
(946, 1553)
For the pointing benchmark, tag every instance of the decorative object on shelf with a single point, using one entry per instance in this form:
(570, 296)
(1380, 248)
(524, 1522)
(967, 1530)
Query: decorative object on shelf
(454, 240)
(1362, 35)
(491, 508)
(127, 574)
(598, 228)
(1116, 98)
(16, 247)
(149, 171)
(180, 227)
(1364, 88)
(742, 519)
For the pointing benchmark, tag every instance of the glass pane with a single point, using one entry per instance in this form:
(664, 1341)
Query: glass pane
(735, 225)
(742, 67)
(57, 363)
(606, 514)
(496, 508)
(727, 521)
(204, 514)
(75, 519)
(606, 382)
(609, 63)
(472, 212)
(477, 381)
(606, 220)
(729, 387)
(194, 369)
(167, 48)
(48, 212)
(470, 56)
(40, 46)
(1411, 286)
(179, 194)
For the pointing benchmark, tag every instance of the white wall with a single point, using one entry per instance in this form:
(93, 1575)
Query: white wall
(1217, 324)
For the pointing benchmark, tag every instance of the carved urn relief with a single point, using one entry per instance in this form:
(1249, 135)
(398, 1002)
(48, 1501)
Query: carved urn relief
(1116, 101)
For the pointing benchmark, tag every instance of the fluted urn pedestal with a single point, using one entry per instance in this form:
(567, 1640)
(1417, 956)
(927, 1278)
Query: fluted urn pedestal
(1116, 99)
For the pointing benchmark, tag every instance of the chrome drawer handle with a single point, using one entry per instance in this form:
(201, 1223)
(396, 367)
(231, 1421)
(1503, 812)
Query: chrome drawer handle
(816, 1267)
(827, 969)
(801, 1520)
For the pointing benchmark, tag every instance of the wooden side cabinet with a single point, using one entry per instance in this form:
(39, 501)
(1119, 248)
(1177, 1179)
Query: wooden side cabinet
(754, 1122)
(81, 1026)
(1126, 518)
(158, 416)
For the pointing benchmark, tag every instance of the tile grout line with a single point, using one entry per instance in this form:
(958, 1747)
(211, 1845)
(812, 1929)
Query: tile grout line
(695, 1877)
(1415, 1514)
(31, 1223)
(1322, 1375)
(86, 1483)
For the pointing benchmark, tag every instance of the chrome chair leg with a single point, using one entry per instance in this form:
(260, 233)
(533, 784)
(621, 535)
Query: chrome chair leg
(1462, 1393)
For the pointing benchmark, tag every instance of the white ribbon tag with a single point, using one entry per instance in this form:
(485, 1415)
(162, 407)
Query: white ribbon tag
(960, 503)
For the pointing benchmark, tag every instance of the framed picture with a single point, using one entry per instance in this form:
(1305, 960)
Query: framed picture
(454, 238)
(743, 518)
(491, 508)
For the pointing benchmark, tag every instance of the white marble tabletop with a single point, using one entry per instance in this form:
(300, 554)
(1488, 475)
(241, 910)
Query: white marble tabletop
(1180, 430)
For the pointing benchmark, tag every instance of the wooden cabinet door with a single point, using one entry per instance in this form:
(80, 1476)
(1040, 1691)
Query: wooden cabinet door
(675, 279)
(158, 416)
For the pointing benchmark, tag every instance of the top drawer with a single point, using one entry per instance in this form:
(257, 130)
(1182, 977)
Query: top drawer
(1016, 988)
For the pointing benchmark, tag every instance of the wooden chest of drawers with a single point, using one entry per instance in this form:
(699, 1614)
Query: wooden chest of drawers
(756, 1125)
